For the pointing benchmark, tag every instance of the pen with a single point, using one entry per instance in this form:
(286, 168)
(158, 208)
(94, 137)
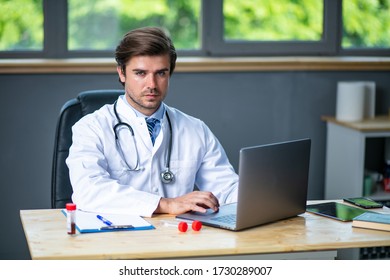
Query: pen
(104, 220)
(117, 227)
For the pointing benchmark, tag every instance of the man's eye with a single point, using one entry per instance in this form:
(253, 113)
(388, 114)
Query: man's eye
(140, 73)
(162, 73)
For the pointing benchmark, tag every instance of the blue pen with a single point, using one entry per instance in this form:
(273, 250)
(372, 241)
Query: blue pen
(104, 220)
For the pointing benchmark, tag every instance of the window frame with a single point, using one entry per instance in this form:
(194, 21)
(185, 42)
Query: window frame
(327, 45)
(211, 35)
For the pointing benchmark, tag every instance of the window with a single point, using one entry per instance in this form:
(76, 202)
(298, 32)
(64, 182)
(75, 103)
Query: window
(93, 28)
(273, 27)
(366, 24)
(99, 25)
(282, 20)
(21, 25)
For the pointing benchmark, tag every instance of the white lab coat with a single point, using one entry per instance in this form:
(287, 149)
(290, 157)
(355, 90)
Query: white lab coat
(102, 182)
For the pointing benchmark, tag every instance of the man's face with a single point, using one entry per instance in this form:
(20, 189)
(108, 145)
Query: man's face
(146, 82)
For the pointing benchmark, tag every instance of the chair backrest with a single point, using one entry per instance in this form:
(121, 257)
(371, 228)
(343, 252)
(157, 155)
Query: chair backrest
(73, 110)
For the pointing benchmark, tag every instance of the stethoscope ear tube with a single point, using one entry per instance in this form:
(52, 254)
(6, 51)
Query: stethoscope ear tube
(125, 124)
(166, 175)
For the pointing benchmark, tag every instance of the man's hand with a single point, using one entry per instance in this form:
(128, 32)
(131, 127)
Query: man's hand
(195, 201)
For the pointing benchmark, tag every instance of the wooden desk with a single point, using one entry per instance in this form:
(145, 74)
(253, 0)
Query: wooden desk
(46, 235)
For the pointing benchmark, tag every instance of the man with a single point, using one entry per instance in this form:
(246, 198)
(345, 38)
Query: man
(151, 168)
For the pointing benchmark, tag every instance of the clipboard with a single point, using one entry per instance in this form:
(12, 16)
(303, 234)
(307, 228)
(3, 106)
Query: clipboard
(88, 222)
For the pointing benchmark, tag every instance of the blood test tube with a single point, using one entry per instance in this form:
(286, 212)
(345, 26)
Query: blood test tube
(182, 226)
(71, 218)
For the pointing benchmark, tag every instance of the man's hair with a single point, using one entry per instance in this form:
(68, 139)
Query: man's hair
(146, 41)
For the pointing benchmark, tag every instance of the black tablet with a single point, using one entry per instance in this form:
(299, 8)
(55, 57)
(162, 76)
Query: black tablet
(335, 210)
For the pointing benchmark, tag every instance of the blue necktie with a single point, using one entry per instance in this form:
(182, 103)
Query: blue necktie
(151, 122)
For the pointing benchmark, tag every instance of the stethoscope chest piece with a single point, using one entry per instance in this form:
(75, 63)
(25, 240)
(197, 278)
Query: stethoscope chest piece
(167, 176)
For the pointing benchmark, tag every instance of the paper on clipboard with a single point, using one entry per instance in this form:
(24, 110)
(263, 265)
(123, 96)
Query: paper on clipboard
(87, 222)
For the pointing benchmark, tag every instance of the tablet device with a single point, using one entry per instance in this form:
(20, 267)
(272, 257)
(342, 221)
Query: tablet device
(335, 210)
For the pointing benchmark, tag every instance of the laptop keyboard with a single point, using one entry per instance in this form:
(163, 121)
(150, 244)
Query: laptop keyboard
(227, 219)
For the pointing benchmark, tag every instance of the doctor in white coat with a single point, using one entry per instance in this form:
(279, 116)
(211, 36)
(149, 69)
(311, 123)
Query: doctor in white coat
(117, 166)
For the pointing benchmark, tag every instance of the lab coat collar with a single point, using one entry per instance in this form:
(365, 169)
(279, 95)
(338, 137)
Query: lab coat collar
(128, 115)
(128, 112)
(124, 110)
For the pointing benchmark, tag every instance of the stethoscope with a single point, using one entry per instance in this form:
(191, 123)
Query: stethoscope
(166, 175)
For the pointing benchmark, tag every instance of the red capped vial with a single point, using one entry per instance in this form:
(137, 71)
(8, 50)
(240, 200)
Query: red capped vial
(71, 218)
(182, 226)
(196, 225)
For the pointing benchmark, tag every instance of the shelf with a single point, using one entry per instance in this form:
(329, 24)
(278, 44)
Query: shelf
(352, 147)
(379, 123)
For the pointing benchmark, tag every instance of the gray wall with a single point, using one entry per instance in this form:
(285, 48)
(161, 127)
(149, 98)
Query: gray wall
(285, 105)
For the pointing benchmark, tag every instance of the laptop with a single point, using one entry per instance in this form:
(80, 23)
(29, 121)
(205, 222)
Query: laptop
(273, 183)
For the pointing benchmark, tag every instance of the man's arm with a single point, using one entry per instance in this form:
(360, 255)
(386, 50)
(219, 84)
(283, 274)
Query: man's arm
(197, 201)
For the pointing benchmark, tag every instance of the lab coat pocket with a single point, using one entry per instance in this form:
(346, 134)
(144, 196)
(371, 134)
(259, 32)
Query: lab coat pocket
(184, 171)
(119, 174)
(118, 170)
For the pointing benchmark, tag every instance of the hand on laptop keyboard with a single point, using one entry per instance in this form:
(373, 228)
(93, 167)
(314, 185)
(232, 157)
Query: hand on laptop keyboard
(198, 201)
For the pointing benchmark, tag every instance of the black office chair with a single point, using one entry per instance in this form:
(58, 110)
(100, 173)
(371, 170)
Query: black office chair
(85, 103)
